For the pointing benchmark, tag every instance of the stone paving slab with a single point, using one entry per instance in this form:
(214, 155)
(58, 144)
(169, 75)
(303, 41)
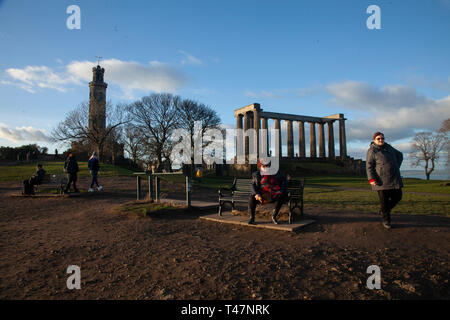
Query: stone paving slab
(243, 221)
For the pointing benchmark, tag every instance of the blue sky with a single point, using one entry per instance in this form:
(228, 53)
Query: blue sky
(312, 58)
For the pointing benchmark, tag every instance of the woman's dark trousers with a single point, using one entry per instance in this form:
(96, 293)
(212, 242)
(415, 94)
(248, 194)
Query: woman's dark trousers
(388, 200)
(94, 174)
(252, 202)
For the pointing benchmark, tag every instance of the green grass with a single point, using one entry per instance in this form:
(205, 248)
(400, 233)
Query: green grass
(24, 171)
(364, 201)
(145, 209)
(410, 184)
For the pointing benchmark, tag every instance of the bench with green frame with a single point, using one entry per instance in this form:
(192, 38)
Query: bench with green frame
(241, 191)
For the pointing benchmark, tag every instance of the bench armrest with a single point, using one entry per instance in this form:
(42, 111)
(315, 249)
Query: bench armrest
(222, 190)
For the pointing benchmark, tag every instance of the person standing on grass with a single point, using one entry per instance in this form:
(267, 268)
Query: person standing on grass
(383, 172)
(71, 168)
(94, 166)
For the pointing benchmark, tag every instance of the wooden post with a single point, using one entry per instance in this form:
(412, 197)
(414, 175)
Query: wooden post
(188, 191)
(150, 187)
(157, 189)
(138, 188)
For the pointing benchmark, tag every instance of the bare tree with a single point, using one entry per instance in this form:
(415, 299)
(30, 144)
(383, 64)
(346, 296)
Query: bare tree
(191, 111)
(75, 127)
(134, 142)
(156, 117)
(426, 148)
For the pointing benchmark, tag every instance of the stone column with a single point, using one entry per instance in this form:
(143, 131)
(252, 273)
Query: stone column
(265, 138)
(321, 140)
(239, 136)
(301, 139)
(279, 151)
(256, 126)
(312, 140)
(342, 139)
(246, 139)
(290, 139)
(331, 153)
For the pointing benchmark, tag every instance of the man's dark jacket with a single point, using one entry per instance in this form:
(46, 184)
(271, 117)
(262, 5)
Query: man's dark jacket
(71, 166)
(383, 164)
(40, 174)
(256, 182)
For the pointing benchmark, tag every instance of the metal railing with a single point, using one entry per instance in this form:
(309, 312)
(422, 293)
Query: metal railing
(154, 189)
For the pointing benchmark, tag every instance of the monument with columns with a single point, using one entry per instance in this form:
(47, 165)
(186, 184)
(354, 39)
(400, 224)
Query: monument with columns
(254, 117)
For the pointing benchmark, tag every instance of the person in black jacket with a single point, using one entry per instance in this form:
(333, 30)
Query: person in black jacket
(71, 168)
(28, 185)
(383, 172)
(265, 189)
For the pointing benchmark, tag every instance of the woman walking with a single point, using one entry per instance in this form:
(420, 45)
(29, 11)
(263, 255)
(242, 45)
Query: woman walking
(383, 171)
(94, 166)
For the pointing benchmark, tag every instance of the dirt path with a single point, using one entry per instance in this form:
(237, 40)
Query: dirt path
(178, 256)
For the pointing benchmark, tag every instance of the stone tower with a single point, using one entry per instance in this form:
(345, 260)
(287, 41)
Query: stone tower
(97, 100)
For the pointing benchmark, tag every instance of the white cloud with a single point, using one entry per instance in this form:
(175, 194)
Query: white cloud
(32, 77)
(23, 134)
(398, 111)
(190, 59)
(281, 93)
(128, 75)
(262, 94)
(251, 94)
(360, 95)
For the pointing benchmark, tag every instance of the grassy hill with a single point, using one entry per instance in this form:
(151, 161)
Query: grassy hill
(20, 172)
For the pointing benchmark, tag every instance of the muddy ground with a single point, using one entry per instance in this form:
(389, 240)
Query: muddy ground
(178, 256)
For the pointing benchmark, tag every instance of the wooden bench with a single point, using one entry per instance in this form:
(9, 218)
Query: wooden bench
(241, 191)
(54, 181)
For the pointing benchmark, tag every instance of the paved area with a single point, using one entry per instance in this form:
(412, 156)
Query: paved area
(227, 217)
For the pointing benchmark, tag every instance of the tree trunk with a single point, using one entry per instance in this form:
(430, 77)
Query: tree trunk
(431, 170)
(100, 152)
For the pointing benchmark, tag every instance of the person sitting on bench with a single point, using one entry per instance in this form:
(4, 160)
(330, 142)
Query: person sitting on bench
(266, 189)
(28, 184)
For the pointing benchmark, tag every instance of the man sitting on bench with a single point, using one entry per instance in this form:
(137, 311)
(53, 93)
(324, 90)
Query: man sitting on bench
(28, 185)
(266, 189)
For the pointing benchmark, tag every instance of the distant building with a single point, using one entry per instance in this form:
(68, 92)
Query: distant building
(97, 99)
(97, 120)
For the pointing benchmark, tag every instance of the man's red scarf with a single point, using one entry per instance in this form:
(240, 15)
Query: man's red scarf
(270, 188)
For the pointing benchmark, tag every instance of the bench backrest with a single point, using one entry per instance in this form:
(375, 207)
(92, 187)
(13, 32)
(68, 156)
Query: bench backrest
(295, 188)
(242, 188)
(47, 178)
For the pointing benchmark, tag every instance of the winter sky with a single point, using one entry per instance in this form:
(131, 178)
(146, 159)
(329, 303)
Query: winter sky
(314, 58)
